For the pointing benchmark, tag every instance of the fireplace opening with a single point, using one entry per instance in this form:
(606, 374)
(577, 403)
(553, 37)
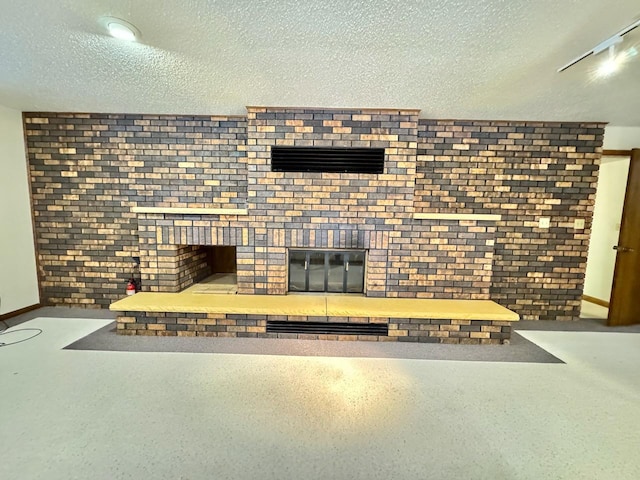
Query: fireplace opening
(222, 259)
(220, 265)
(331, 271)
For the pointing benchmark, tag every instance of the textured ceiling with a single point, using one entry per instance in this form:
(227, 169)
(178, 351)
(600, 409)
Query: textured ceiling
(468, 59)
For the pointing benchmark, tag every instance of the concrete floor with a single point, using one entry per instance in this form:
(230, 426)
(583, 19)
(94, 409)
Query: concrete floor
(131, 415)
(217, 283)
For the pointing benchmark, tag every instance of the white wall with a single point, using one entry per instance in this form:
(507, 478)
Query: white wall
(18, 279)
(612, 182)
(621, 138)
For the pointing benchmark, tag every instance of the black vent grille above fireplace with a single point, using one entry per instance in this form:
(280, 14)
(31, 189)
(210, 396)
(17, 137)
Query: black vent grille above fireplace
(327, 159)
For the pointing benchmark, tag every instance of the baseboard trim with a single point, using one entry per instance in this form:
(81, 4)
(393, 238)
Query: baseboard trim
(597, 301)
(15, 313)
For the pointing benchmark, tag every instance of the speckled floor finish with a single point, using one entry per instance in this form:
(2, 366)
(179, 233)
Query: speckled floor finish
(165, 415)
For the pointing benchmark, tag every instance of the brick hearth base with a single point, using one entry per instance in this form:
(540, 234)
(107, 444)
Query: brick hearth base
(255, 326)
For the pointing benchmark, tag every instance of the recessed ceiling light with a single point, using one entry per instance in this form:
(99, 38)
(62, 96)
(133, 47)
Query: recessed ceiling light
(121, 29)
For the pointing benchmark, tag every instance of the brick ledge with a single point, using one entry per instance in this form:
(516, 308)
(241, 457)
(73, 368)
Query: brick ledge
(191, 211)
(457, 216)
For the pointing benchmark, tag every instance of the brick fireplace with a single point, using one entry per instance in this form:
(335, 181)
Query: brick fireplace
(453, 215)
(406, 256)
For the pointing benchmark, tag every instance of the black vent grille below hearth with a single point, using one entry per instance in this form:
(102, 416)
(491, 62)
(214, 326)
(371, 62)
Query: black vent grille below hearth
(328, 328)
(331, 160)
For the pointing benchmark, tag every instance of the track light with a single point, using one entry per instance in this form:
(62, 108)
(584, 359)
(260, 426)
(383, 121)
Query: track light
(613, 62)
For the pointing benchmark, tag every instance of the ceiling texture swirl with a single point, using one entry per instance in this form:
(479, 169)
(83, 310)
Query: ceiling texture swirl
(463, 59)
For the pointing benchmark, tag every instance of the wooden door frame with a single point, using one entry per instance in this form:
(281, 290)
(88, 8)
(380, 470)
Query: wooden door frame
(588, 298)
(630, 154)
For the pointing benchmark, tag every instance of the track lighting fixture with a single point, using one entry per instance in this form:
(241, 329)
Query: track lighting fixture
(612, 63)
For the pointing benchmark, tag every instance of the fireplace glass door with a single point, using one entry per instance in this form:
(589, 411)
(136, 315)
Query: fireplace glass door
(333, 271)
(315, 272)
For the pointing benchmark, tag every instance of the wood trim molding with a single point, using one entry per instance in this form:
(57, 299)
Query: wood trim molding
(15, 313)
(457, 216)
(597, 301)
(409, 111)
(191, 211)
(36, 245)
(616, 153)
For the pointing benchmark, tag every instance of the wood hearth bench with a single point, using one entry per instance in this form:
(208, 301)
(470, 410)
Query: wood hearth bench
(322, 317)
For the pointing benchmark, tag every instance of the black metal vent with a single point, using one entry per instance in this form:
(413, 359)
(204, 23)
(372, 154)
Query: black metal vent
(321, 159)
(328, 328)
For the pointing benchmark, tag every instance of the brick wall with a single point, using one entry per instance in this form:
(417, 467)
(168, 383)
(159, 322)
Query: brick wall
(321, 210)
(174, 267)
(523, 171)
(309, 199)
(192, 265)
(422, 330)
(160, 236)
(441, 259)
(88, 171)
(319, 206)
